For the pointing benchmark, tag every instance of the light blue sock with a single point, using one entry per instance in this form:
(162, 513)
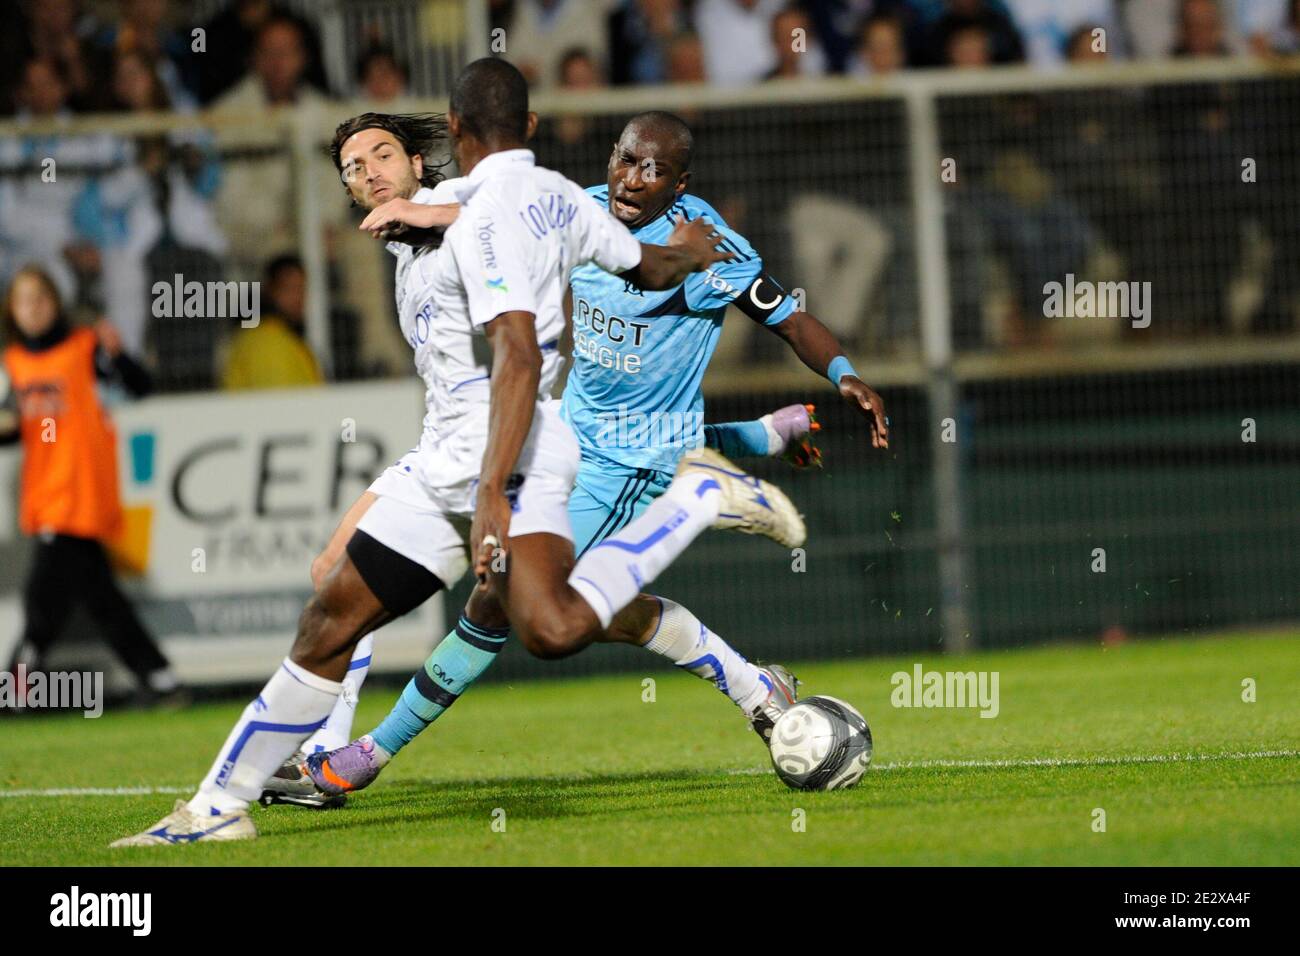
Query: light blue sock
(455, 663)
(738, 439)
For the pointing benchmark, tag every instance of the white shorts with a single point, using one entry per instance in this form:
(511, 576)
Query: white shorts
(426, 503)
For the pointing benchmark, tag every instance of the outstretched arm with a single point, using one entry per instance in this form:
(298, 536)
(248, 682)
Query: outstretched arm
(820, 351)
(413, 223)
(112, 361)
(692, 247)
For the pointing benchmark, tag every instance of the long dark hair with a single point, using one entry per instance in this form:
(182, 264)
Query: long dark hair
(420, 134)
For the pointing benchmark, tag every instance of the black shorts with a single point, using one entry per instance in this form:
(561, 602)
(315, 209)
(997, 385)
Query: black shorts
(400, 584)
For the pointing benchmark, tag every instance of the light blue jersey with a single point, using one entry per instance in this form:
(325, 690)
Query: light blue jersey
(633, 395)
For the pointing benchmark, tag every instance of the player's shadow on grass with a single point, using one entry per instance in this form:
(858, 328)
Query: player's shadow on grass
(539, 798)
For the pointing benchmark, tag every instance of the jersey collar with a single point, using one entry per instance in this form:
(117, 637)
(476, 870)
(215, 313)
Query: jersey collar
(491, 165)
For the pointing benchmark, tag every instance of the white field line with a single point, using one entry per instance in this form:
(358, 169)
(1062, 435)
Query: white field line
(1064, 761)
(96, 792)
(749, 771)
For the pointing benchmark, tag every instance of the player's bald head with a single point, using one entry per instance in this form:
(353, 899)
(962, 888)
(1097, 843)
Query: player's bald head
(668, 131)
(649, 167)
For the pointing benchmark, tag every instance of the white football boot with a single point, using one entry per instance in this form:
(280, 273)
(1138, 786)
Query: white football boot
(782, 692)
(749, 505)
(184, 826)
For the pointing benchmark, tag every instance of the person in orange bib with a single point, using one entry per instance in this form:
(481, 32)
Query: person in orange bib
(69, 499)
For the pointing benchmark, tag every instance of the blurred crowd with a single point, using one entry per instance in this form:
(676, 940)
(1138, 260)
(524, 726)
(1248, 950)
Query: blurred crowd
(583, 43)
(108, 215)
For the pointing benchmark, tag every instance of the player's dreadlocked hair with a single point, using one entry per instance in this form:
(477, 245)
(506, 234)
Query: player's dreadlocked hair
(422, 134)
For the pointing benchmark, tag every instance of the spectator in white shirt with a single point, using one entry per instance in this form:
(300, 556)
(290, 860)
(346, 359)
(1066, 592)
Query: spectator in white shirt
(1046, 26)
(541, 31)
(42, 182)
(257, 204)
(737, 39)
(1270, 26)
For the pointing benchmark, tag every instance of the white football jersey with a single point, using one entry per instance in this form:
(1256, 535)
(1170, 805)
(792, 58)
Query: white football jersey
(521, 229)
(416, 311)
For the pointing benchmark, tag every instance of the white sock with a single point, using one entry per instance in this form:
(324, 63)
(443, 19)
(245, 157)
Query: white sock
(292, 706)
(615, 571)
(690, 645)
(775, 443)
(337, 731)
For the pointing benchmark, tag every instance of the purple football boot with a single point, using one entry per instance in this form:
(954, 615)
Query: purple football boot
(349, 768)
(790, 430)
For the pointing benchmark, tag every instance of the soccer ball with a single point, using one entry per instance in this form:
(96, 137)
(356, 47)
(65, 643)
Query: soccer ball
(821, 743)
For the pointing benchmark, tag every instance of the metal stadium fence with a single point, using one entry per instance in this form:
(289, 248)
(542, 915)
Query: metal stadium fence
(1077, 292)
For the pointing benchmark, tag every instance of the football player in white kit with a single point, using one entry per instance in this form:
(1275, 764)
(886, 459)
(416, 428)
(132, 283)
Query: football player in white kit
(313, 776)
(501, 463)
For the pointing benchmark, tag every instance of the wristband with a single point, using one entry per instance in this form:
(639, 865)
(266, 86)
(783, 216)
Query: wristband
(839, 367)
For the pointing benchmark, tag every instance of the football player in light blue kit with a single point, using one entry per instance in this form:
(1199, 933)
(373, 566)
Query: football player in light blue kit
(633, 396)
(633, 399)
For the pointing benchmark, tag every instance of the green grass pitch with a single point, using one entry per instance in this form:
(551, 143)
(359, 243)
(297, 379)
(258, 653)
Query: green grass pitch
(1153, 732)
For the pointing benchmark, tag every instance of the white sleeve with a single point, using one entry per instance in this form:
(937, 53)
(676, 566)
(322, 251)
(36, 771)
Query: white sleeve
(445, 192)
(492, 263)
(605, 240)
